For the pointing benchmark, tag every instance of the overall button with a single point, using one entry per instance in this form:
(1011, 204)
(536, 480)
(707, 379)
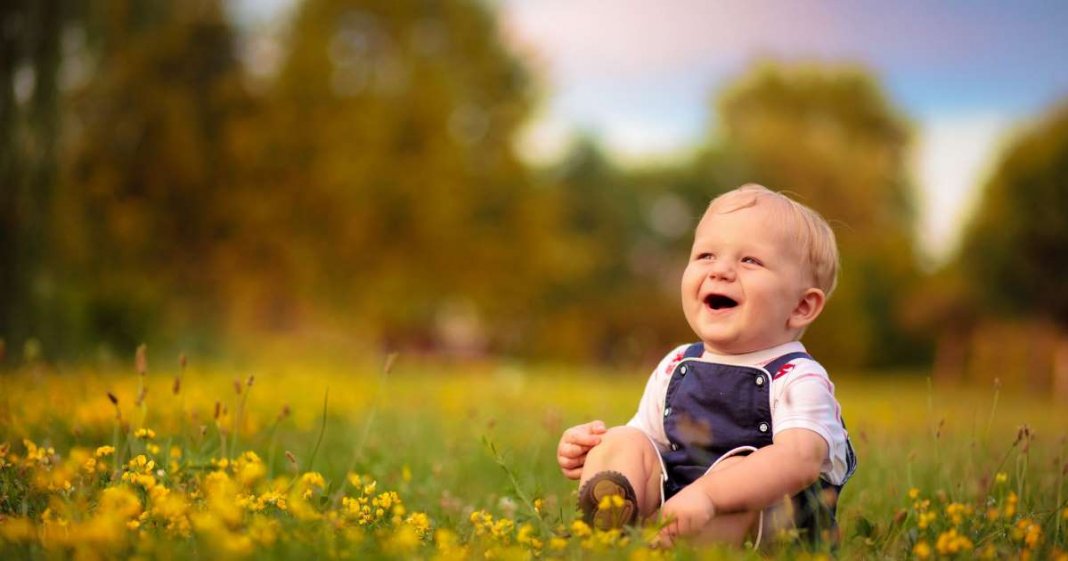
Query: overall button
(762, 427)
(682, 370)
(667, 411)
(674, 446)
(760, 380)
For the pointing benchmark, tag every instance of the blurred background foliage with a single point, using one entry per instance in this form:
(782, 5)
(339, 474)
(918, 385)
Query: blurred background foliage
(368, 195)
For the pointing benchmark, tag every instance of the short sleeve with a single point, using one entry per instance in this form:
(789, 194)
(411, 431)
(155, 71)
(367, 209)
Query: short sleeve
(804, 398)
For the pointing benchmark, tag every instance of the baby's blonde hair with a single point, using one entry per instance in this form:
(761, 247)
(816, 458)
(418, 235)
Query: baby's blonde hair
(819, 249)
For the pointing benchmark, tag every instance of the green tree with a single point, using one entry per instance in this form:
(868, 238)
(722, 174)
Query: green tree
(146, 205)
(392, 153)
(1015, 249)
(829, 136)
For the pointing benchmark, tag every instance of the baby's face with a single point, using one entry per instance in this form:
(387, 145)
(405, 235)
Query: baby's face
(744, 281)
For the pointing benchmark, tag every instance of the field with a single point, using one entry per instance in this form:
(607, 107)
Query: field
(427, 459)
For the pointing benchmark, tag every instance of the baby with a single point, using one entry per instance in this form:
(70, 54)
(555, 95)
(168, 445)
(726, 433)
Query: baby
(731, 426)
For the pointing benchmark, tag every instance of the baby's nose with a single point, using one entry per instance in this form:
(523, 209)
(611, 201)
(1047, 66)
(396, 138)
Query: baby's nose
(722, 270)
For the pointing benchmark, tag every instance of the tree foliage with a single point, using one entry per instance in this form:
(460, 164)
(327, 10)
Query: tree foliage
(390, 145)
(147, 202)
(369, 189)
(828, 135)
(1015, 249)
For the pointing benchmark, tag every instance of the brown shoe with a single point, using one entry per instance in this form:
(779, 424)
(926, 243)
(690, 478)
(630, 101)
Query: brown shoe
(618, 512)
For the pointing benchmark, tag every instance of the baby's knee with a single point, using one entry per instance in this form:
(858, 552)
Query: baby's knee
(622, 440)
(622, 437)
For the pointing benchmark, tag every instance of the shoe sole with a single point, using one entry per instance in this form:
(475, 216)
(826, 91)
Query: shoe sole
(607, 484)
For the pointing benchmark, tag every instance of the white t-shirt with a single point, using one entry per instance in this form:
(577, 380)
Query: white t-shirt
(801, 397)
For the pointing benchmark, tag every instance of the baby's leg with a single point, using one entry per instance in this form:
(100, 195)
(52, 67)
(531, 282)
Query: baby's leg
(628, 451)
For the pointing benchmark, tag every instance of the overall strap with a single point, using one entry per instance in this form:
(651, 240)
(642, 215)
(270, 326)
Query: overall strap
(775, 367)
(694, 351)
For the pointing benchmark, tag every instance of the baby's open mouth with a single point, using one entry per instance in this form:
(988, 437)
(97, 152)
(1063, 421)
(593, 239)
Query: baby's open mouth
(719, 302)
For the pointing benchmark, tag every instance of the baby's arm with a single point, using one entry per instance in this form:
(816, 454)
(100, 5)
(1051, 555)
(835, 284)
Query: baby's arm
(753, 483)
(575, 443)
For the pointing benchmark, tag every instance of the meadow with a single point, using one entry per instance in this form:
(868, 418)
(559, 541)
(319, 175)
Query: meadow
(409, 458)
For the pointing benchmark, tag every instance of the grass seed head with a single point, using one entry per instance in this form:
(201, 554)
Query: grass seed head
(141, 360)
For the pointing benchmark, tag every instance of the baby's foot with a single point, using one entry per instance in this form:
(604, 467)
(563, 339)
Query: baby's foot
(608, 501)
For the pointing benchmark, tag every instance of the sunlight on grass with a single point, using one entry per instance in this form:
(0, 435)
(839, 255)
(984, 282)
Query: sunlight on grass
(457, 461)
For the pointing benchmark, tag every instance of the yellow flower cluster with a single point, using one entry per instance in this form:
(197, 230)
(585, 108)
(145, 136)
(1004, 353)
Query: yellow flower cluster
(94, 508)
(954, 532)
(952, 543)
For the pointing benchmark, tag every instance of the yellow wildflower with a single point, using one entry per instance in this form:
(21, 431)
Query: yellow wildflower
(914, 493)
(957, 511)
(420, 522)
(1001, 477)
(18, 529)
(145, 434)
(313, 479)
(104, 451)
(922, 550)
(248, 470)
(952, 543)
(1028, 531)
(926, 518)
(403, 541)
(119, 501)
(580, 529)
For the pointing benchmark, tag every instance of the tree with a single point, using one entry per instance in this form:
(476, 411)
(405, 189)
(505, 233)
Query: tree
(146, 205)
(1014, 252)
(829, 136)
(391, 147)
(29, 135)
(1015, 246)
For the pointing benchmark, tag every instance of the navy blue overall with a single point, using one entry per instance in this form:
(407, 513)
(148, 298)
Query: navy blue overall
(711, 409)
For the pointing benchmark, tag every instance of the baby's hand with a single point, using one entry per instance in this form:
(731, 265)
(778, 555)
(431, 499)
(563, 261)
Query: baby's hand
(574, 444)
(687, 513)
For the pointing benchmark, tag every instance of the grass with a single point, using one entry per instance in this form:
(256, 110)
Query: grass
(468, 453)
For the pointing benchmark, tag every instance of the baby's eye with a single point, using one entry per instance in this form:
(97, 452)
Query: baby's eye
(704, 256)
(752, 261)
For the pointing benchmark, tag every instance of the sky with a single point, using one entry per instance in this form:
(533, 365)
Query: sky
(640, 75)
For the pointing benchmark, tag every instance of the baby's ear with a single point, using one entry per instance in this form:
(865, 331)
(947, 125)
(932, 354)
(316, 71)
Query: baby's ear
(808, 308)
